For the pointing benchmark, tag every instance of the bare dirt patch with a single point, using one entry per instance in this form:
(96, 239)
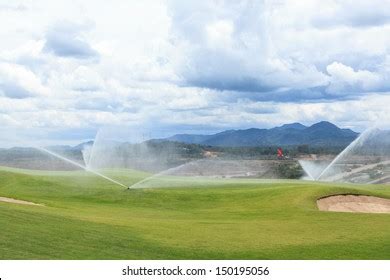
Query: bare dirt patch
(354, 203)
(17, 201)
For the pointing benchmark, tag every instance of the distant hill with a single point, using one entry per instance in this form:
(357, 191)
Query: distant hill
(253, 143)
(319, 134)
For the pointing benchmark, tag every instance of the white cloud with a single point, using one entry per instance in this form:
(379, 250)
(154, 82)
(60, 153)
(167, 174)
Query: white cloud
(219, 33)
(229, 47)
(204, 64)
(345, 78)
(65, 39)
(18, 82)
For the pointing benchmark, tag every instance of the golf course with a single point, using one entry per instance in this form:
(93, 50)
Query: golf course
(77, 215)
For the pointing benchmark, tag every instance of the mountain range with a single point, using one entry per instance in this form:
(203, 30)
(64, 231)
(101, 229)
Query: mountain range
(320, 134)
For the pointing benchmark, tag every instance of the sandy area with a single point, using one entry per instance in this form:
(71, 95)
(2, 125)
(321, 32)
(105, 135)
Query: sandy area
(16, 201)
(354, 203)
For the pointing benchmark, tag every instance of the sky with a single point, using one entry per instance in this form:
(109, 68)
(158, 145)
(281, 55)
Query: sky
(69, 68)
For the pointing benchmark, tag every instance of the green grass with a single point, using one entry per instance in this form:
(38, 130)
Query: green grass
(89, 218)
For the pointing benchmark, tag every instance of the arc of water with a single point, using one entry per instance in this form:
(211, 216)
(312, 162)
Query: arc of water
(93, 149)
(361, 137)
(80, 165)
(308, 172)
(311, 177)
(162, 173)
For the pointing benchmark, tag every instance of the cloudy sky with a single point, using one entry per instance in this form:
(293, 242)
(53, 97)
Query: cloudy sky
(68, 68)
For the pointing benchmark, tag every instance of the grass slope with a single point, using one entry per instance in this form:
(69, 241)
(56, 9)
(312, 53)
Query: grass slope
(89, 218)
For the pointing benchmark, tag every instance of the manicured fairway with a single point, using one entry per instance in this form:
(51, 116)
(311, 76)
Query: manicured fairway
(86, 217)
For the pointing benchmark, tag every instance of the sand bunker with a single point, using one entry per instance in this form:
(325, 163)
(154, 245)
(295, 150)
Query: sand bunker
(354, 203)
(16, 201)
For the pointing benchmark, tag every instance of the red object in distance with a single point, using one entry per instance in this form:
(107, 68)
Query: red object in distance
(280, 153)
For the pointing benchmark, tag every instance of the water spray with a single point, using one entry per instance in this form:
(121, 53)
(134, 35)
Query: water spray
(306, 169)
(162, 173)
(80, 166)
(361, 137)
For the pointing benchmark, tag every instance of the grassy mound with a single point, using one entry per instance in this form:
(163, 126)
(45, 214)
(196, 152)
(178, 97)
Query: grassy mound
(88, 218)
